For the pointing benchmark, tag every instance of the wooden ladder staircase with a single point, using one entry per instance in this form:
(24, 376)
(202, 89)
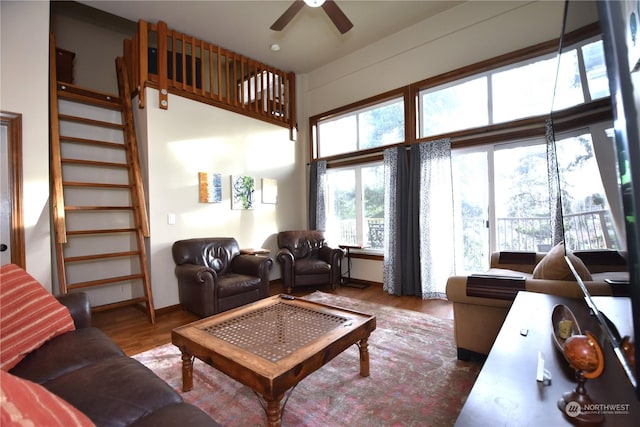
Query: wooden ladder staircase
(99, 211)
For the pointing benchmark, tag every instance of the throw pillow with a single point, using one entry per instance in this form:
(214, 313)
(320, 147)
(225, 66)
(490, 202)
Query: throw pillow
(24, 403)
(29, 315)
(554, 267)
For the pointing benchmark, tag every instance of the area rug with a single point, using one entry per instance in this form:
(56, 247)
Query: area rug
(416, 379)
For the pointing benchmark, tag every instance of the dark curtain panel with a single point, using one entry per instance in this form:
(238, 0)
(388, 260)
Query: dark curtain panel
(401, 248)
(317, 208)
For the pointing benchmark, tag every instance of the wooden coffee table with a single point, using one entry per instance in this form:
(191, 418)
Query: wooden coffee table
(272, 344)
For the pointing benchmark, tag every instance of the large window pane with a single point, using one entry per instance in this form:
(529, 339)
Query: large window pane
(338, 136)
(462, 106)
(373, 189)
(471, 200)
(380, 125)
(528, 90)
(355, 213)
(341, 210)
(383, 125)
(586, 216)
(522, 198)
(596, 69)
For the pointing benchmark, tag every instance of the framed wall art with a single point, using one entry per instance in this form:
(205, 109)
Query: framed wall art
(269, 191)
(242, 192)
(209, 187)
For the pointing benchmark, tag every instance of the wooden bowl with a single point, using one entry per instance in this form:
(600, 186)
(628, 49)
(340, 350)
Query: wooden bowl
(563, 313)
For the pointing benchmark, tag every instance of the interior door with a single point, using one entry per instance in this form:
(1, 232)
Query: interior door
(5, 201)
(12, 248)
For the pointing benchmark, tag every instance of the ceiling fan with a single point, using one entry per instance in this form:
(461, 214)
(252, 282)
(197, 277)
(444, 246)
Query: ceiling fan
(332, 10)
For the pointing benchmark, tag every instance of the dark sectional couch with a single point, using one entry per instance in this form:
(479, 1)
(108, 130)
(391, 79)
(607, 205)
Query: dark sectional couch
(88, 370)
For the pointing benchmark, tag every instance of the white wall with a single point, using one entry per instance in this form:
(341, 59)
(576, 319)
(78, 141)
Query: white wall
(24, 81)
(191, 137)
(467, 34)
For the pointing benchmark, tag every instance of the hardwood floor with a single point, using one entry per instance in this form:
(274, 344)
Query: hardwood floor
(130, 329)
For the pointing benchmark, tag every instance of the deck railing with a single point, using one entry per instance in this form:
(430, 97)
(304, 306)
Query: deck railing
(176, 63)
(583, 231)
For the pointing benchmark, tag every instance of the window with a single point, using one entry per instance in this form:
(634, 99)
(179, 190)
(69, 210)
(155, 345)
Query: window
(501, 196)
(516, 91)
(375, 126)
(461, 106)
(501, 191)
(355, 213)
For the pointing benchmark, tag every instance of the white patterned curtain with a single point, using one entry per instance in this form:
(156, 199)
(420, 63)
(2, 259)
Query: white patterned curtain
(391, 269)
(436, 231)
(555, 198)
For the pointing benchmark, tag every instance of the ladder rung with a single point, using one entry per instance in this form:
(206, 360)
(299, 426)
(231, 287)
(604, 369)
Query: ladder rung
(92, 122)
(98, 208)
(88, 96)
(106, 281)
(102, 256)
(94, 163)
(101, 231)
(119, 304)
(95, 185)
(91, 141)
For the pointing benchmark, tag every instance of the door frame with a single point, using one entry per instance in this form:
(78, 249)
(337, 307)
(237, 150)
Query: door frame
(13, 122)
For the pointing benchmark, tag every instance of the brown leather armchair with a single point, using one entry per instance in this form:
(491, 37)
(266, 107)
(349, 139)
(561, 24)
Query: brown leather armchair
(213, 276)
(305, 259)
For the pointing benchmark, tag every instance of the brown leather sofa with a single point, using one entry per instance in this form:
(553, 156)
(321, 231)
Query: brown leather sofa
(306, 259)
(478, 318)
(88, 370)
(213, 276)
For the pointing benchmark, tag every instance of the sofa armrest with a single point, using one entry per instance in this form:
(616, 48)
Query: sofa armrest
(79, 308)
(457, 294)
(569, 289)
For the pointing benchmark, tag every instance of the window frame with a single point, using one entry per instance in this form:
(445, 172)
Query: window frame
(528, 128)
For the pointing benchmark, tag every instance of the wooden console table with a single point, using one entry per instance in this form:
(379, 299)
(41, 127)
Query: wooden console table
(506, 392)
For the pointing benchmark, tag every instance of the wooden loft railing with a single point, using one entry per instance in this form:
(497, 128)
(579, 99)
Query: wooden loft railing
(176, 63)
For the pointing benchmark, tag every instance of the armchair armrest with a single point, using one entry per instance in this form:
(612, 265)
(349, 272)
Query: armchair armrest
(79, 308)
(330, 255)
(252, 265)
(191, 273)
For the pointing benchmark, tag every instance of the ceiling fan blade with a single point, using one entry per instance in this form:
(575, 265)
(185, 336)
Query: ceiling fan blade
(338, 17)
(287, 16)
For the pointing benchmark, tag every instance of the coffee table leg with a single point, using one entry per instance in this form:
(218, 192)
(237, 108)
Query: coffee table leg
(363, 345)
(274, 412)
(187, 372)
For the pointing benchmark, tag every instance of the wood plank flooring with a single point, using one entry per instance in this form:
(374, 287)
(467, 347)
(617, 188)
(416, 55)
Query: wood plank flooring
(129, 328)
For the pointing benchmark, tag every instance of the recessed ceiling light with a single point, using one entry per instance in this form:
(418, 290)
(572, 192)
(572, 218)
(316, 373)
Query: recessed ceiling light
(275, 47)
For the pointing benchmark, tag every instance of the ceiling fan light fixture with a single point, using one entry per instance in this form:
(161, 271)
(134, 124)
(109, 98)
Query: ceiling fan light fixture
(314, 3)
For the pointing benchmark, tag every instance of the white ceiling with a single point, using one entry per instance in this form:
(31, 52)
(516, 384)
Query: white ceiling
(308, 42)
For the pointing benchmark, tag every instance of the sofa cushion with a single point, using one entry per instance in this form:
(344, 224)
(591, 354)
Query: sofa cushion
(25, 403)
(116, 391)
(554, 267)
(29, 315)
(68, 352)
(184, 413)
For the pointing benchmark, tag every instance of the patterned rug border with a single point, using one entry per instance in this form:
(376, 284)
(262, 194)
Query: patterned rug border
(407, 387)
